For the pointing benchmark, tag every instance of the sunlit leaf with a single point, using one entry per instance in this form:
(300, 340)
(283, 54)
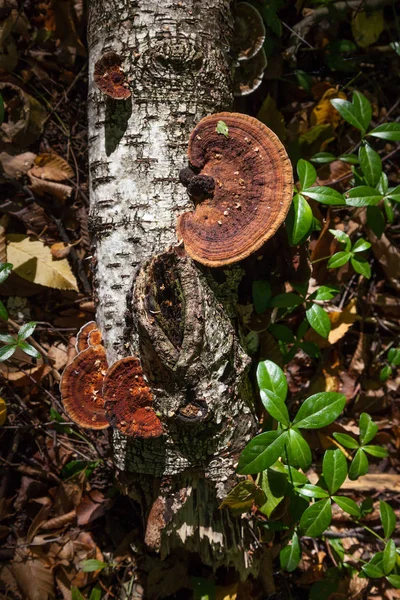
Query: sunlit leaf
(291, 555)
(316, 518)
(388, 518)
(320, 410)
(334, 469)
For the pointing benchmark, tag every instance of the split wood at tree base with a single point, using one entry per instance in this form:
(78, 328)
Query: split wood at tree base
(154, 302)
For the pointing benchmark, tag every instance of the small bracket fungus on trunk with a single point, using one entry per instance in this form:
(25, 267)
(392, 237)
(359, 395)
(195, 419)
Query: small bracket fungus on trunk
(253, 189)
(110, 78)
(83, 337)
(248, 47)
(128, 400)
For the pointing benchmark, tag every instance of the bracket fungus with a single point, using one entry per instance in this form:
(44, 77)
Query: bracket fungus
(84, 337)
(110, 78)
(253, 189)
(128, 400)
(249, 35)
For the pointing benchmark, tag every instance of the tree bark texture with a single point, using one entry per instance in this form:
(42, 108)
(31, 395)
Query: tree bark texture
(153, 301)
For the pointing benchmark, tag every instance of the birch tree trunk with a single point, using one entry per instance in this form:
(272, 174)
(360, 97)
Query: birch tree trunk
(153, 301)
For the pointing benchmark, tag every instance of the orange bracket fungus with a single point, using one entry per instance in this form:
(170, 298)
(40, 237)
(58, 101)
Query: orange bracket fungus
(81, 388)
(128, 400)
(84, 334)
(110, 78)
(253, 186)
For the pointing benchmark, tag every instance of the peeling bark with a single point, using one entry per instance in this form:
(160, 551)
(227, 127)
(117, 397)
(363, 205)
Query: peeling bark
(153, 301)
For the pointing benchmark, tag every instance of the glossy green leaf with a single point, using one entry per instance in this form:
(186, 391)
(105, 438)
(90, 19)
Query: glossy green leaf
(316, 518)
(75, 593)
(334, 469)
(394, 356)
(261, 452)
(291, 555)
(385, 373)
(299, 220)
(342, 237)
(376, 220)
(271, 378)
(351, 159)
(377, 451)
(361, 245)
(3, 312)
(88, 566)
(276, 407)
(387, 131)
(322, 158)
(273, 482)
(26, 330)
(6, 352)
(368, 429)
(320, 410)
(349, 113)
(96, 593)
(337, 546)
(361, 266)
(383, 184)
(28, 349)
(339, 259)
(363, 195)
(389, 557)
(348, 505)
(371, 164)
(261, 295)
(366, 506)
(289, 300)
(318, 320)
(313, 491)
(298, 450)
(359, 465)
(388, 518)
(326, 292)
(325, 195)
(362, 108)
(374, 571)
(307, 173)
(394, 193)
(346, 440)
(281, 333)
(5, 270)
(389, 210)
(394, 580)
(7, 338)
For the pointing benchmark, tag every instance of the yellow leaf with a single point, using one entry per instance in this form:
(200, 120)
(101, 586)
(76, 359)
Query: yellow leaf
(324, 112)
(226, 592)
(33, 261)
(243, 496)
(342, 321)
(51, 166)
(3, 411)
(367, 27)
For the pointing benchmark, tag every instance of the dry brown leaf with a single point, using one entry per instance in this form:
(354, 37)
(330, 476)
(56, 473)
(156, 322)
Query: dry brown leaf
(41, 187)
(33, 261)
(91, 507)
(27, 377)
(324, 112)
(382, 482)
(16, 166)
(58, 355)
(388, 256)
(33, 575)
(51, 167)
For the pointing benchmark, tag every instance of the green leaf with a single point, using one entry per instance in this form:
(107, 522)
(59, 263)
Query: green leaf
(362, 108)
(361, 245)
(307, 173)
(368, 429)
(299, 220)
(325, 195)
(261, 295)
(350, 113)
(7, 338)
(7, 351)
(26, 330)
(28, 349)
(372, 570)
(75, 593)
(376, 220)
(389, 211)
(352, 159)
(334, 469)
(389, 557)
(326, 292)
(339, 259)
(5, 270)
(361, 266)
(320, 410)
(394, 580)
(316, 518)
(342, 237)
(394, 356)
(337, 546)
(261, 452)
(383, 184)
(311, 349)
(385, 373)
(348, 505)
(318, 320)
(346, 440)
(394, 193)
(366, 506)
(387, 131)
(276, 407)
(313, 491)
(322, 158)
(289, 300)
(281, 333)
(291, 555)
(363, 195)
(88, 566)
(388, 518)
(359, 465)
(96, 593)
(273, 482)
(3, 312)
(271, 378)
(298, 450)
(371, 164)
(222, 128)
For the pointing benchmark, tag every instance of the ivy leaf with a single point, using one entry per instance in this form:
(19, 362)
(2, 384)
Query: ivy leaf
(316, 518)
(368, 429)
(388, 518)
(387, 131)
(299, 220)
(339, 259)
(361, 266)
(222, 128)
(348, 505)
(363, 195)
(291, 555)
(320, 410)
(334, 469)
(325, 195)
(261, 452)
(359, 465)
(389, 557)
(371, 164)
(318, 320)
(307, 173)
(346, 440)
(350, 113)
(298, 450)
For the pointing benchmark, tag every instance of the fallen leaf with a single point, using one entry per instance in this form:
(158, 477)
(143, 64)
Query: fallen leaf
(91, 507)
(243, 496)
(52, 167)
(324, 112)
(42, 186)
(3, 411)
(16, 166)
(342, 321)
(33, 261)
(34, 576)
(367, 27)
